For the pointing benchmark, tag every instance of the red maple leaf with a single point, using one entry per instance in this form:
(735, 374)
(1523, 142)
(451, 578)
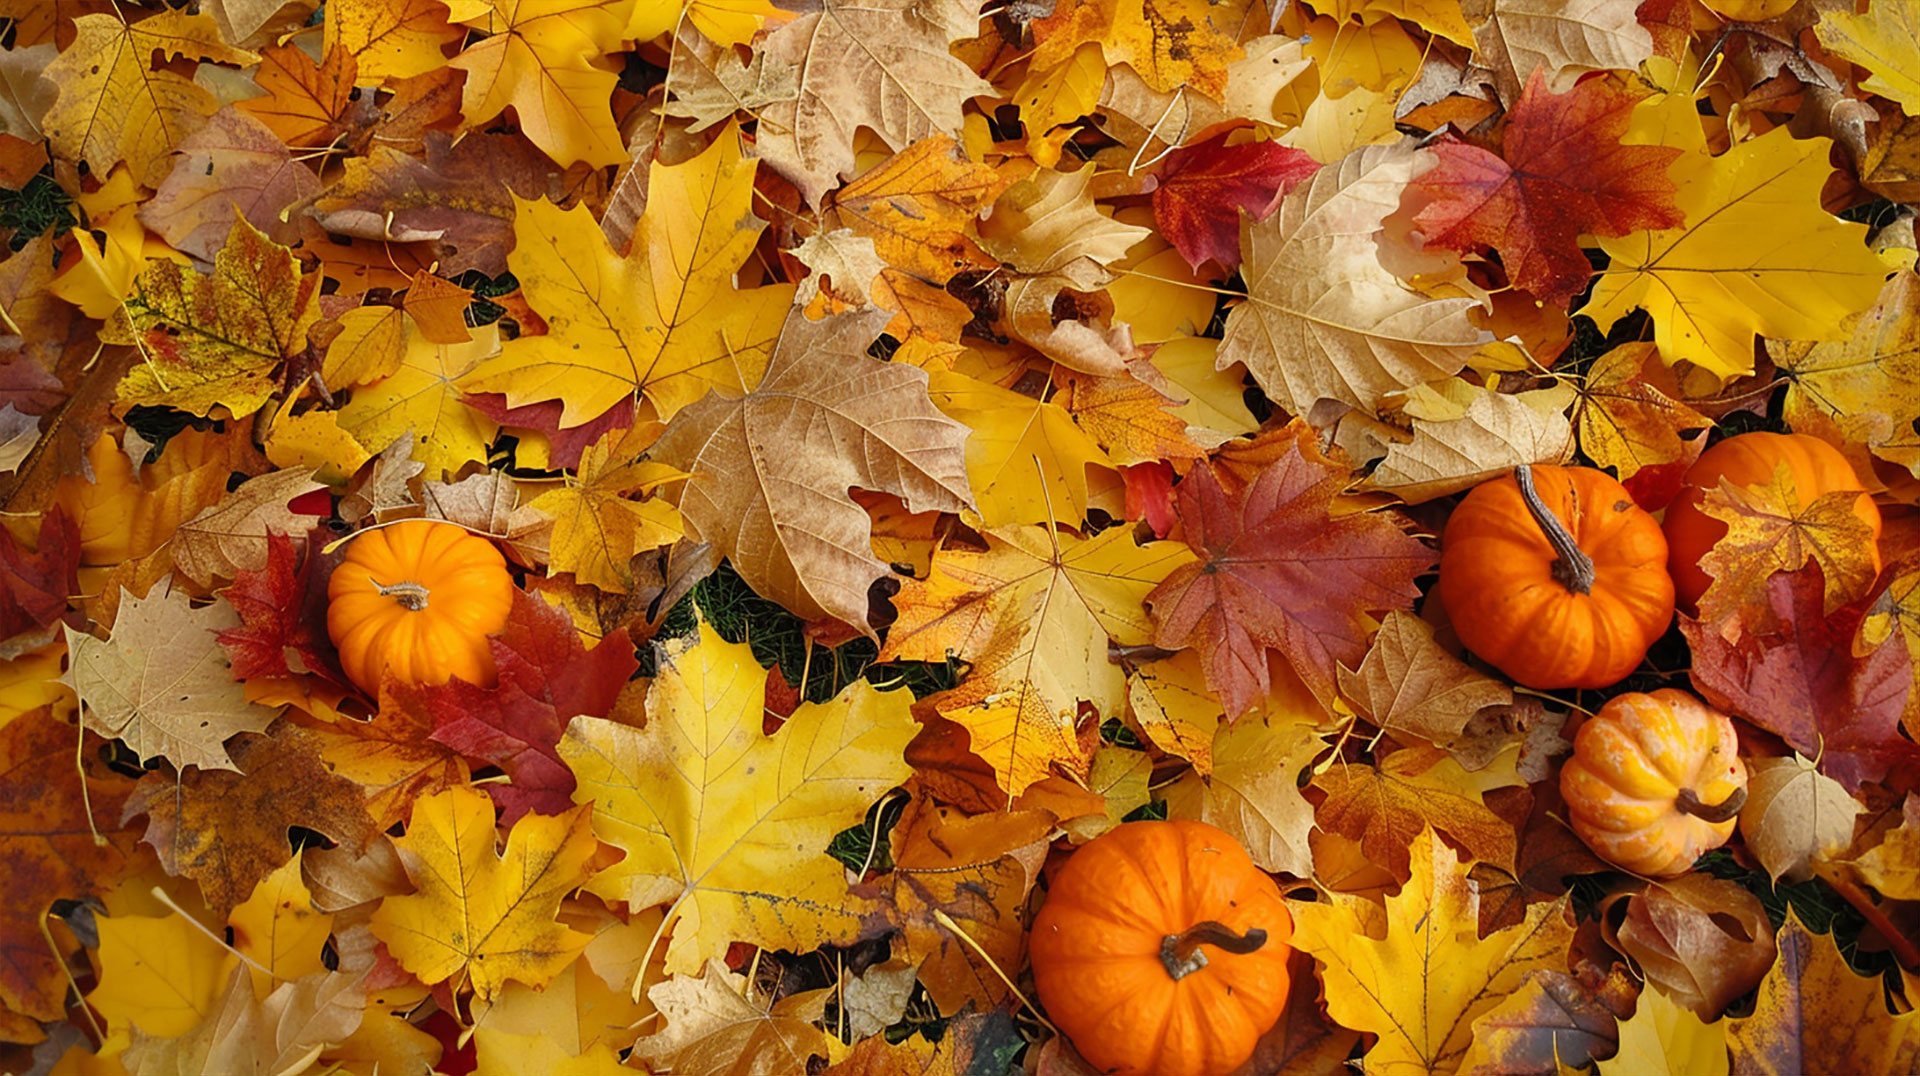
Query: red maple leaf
(283, 613)
(1278, 569)
(1806, 684)
(563, 446)
(1204, 187)
(38, 584)
(546, 679)
(1564, 173)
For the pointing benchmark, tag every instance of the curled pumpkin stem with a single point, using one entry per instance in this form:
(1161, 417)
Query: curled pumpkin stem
(1572, 569)
(410, 595)
(1180, 953)
(1724, 811)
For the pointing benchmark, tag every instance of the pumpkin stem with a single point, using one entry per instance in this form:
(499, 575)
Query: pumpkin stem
(1726, 810)
(411, 596)
(1180, 953)
(1572, 569)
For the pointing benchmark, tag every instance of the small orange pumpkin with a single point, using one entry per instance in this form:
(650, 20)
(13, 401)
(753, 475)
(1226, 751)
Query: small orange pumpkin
(1162, 948)
(1655, 781)
(416, 601)
(1749, 460)
(1556, 577)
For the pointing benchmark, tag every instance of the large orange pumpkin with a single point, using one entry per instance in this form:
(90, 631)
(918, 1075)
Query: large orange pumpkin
(1655, 781)
(1749, 460)
(1556, 577)
(1162, 948)
(416, 601)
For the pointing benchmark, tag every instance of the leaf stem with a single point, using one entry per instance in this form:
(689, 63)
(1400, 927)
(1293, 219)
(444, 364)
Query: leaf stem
(1902, 946)
(1572, 568)
(1180, 953)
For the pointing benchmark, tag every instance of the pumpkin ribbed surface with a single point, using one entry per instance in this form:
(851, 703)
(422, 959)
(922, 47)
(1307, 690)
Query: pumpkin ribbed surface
(417, 601)
(1498, 580)
(1097, 950)
(1635, 767)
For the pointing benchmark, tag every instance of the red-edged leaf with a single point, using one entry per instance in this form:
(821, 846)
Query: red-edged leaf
(1806, 685)
(283, 616)
(546, 679)
(1278, 569)
(563, 446)
(1204, 187)
(1150, 495)
(38, 584)
(1565, 173)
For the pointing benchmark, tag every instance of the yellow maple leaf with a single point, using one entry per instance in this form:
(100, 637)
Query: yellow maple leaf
(1757, 253)
(215, 341)
(1169, 43)
(418, 399)
(665, 321)
(1027, 460)
(389, 39)
(918, 208)
(1417, 975)
(1033, 614)
(1814, 1014)
(714, 1024)
(479, 916)
(725, 22)
(115, 104)
(1630, 414)
(1884, 39)
(597, 529)
(279, 929)
(1865, 388)
(1667, 1039)
(1251, 789)
(726, 824)
(161, 975)
(537, 56)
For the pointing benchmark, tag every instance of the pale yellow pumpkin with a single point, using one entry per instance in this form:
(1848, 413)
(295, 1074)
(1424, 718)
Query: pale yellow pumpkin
(1655, 781)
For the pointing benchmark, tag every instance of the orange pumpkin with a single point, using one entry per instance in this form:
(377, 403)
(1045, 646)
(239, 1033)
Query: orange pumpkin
(1556, 577)
(1749, 460)
(416, 601)
(1655, 781)
(1162, 948)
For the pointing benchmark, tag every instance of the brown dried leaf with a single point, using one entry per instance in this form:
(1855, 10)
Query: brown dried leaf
(228, 830)
(1704, 941)
(1409, 683)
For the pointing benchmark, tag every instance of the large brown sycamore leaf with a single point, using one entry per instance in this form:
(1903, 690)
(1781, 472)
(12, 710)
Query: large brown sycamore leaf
(769, 474)
(1280, 569)
(1324, 319)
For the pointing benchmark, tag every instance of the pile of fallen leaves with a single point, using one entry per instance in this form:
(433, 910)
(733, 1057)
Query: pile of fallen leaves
(924, 437)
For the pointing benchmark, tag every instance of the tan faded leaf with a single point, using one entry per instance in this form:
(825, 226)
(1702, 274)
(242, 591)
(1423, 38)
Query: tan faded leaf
(768, 474)
(1497, 433)
(1408, 682)
(714, 1028)
(1795, 816)
(1323, 318)
(161, 682)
